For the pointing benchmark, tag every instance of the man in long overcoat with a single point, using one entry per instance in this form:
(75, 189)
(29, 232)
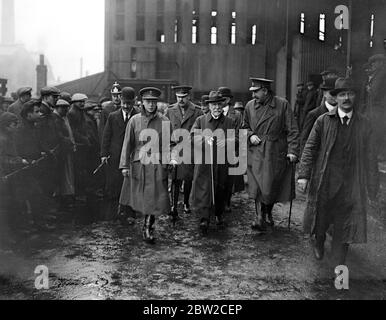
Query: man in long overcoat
(112, 141)
(182, 115)
(111, 106)
(211, 179)
(145, 185)
(340, 156)
(273, 147)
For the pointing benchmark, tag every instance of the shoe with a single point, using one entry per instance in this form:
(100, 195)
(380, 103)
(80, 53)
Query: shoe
(270, 221)
(259, 226)
(187, 209)
(204, 225)
(220, 221)
(318, 249)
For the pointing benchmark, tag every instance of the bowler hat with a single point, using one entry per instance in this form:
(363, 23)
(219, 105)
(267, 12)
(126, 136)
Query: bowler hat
(128, 94)
(258, 83)
(182, 91)
(328, 84)
(343, 84)
(204, 98)
(150, 93)
(215, 96)
(225, 92)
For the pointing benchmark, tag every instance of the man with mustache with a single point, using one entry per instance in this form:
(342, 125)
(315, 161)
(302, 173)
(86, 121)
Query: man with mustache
(339, 152)
(273, 145)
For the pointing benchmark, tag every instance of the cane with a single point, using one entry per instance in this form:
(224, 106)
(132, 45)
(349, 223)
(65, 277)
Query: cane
(211, 171)
(292, 185)
(173, 189)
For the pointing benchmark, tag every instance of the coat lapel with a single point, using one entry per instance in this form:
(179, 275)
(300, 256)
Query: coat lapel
(188, 114)
(268, 113)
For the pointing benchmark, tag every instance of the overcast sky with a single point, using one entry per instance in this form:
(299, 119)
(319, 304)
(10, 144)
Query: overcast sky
(65, 31)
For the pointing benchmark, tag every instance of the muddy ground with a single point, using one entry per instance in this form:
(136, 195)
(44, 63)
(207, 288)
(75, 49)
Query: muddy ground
(106, 260)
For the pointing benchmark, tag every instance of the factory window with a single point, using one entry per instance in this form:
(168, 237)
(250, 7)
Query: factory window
(371, 30)
(302, 23)
(195, 21)
(213, 28)
(322, 26)
(253, 32)
(160, 20)
(140, 32)
(133, 71)
(177, 22)
(233, 28)
(120, 20)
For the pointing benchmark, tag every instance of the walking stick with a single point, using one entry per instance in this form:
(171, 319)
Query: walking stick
(292, 185)
(211, 171)
(173, 190)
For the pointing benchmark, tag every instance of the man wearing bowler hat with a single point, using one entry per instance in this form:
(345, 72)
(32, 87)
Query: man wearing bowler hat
(112, 141)
(328, 104)
(182, 115)
(23, 96)
(210, 179)
(273, 145)
(340, 152)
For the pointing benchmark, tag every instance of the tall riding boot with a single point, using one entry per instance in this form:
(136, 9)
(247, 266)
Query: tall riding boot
(187, 190)
(148, 229)
(269, 208)
(259, 223)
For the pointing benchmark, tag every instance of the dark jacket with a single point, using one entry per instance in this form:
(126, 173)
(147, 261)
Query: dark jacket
(112, 142)
(310, 103)
(174, 114)
(314, 167)
(269, 173)
(202, 191)
(16, 107)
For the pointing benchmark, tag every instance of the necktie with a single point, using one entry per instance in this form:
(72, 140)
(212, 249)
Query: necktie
(126, 118)
(345, 120)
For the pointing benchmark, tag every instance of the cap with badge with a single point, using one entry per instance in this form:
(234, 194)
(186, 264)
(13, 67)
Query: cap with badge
(182, 91)
(49, 91)
(78, 97)
(24, 90)
(150, 93)
(116, 88)
(259, 83)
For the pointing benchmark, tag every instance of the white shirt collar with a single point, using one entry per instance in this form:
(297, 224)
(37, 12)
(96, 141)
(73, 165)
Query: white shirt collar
(226, 110)
(343, 114)
(330, 107)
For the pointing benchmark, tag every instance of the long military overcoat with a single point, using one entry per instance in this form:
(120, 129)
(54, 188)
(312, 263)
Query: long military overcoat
(146, 188)
(178, 121)
(270, 178)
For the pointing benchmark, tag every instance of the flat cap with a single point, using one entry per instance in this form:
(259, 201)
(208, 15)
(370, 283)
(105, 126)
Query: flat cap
(23, 90)
(150, 93)
(258, 83)
(48, 91)
(77, 97)
(62, 103)
(128, 94)
(225, 92)
(7, 118)
(377, 57)
(90, 104)
(182, 91)
(65, 96)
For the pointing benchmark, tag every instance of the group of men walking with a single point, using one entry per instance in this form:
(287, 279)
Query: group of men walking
(327, 132)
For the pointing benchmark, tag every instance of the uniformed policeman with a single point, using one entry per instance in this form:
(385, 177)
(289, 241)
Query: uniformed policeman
(182, 115)
(113, 105)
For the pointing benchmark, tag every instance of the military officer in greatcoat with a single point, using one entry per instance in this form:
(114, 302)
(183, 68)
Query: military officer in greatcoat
(273, 144)
(182, 115)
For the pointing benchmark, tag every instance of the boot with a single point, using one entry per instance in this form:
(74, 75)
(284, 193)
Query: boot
(204, 225)
(148, 229)
(259, 223)
(187, 208)
(268, 210)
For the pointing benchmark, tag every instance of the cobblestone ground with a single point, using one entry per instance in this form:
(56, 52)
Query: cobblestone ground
(105, 260)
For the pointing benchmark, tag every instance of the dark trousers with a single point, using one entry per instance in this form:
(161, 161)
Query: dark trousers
(187, 190)
(220, 200)
(334, 210)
